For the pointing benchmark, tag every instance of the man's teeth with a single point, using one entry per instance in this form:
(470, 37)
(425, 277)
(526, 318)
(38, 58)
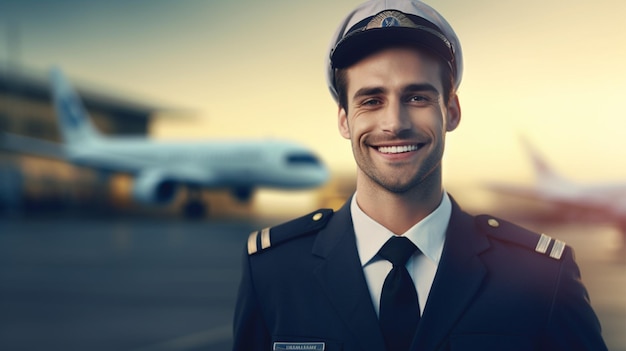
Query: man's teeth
(397, 149)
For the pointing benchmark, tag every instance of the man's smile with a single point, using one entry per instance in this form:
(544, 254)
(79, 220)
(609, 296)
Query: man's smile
(398, 149)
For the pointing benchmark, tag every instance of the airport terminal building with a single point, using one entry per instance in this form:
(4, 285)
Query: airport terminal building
(33, 175)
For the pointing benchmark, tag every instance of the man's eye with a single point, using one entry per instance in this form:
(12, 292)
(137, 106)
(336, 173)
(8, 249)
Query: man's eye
(419, 98)
(371, 102)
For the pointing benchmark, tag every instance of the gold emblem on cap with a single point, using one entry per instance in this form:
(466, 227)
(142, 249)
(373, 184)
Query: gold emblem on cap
(493, 223)
(318, 216)
(390, 18)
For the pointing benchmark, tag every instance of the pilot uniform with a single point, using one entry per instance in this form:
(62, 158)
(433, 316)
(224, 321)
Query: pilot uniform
(497, 287)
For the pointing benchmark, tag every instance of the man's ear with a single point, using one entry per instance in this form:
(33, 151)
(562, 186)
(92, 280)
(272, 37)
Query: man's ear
(454, 113)
(342, 122)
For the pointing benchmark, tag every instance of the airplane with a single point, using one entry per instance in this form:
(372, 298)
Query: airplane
(568, 200)
(160, 169)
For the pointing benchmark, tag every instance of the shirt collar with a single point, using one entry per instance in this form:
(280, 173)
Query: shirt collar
(428, 234)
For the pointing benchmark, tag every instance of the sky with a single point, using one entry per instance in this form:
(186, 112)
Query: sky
(552, 71)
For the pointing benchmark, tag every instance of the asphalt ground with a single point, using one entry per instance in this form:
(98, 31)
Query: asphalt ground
(118, 284)
(167, 284)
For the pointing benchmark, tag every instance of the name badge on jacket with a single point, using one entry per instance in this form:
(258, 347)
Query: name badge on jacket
(299, 346)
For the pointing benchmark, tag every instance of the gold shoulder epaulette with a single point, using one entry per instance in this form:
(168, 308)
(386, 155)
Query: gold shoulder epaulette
(263, 239)
(540, 243)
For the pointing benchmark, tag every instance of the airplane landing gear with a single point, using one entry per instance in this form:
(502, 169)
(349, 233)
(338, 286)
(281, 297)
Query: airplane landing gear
(195, 207)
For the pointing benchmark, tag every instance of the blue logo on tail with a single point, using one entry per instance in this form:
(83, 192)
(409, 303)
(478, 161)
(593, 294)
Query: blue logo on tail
(70, 113)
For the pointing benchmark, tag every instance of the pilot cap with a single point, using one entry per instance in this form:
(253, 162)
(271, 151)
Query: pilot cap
(382, 23)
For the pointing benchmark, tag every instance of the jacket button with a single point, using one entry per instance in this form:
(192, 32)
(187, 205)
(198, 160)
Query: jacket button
(493, 223)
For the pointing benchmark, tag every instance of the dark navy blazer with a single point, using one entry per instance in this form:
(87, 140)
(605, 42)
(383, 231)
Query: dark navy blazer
(303, 287)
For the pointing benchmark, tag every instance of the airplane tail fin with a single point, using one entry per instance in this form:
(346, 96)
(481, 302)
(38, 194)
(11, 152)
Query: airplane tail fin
(544, 173)
(74, 123)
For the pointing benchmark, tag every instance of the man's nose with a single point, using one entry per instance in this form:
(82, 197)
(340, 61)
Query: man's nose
(395, 119)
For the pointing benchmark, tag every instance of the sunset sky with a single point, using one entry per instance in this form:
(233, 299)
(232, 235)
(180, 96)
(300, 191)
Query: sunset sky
(553, 71)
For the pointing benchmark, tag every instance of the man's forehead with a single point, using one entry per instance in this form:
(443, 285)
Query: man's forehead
(395, 68)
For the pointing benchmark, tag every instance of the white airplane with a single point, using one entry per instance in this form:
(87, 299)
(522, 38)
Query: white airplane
(601, 203)
(160, 169)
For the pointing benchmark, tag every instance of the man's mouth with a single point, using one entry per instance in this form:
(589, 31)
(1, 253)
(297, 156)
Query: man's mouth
(398, 149)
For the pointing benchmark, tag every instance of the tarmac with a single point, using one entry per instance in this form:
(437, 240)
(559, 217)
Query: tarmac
(145, 284)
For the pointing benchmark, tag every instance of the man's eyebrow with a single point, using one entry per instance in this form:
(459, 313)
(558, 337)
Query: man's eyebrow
(368, 91)
(421, 87)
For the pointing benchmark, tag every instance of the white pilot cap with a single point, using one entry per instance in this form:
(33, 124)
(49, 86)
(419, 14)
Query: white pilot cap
(380, 23)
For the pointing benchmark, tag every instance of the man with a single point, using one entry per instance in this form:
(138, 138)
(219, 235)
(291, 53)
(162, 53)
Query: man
(400, 266)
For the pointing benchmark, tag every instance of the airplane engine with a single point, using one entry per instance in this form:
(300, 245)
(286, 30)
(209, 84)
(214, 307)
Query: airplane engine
(152, 187)
(242, 194)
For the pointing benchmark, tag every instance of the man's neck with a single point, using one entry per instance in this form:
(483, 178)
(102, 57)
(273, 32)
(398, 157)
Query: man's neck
(398, 212)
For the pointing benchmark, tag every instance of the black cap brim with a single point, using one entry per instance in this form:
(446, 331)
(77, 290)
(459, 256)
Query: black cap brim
(359, 45)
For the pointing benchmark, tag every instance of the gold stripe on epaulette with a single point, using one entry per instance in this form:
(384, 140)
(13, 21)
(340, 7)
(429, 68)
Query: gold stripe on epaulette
(252, 246)
(265, 239)
(542, 245)
(557, 249)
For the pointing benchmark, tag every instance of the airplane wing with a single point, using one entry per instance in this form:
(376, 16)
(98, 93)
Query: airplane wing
(526, 192)
(192, 176)
(560, 203)
(160, 185)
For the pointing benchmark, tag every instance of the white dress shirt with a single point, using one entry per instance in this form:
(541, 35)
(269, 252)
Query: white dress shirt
(428, 235)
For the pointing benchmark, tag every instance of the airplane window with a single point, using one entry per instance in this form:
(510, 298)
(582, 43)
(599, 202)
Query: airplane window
(302, 159)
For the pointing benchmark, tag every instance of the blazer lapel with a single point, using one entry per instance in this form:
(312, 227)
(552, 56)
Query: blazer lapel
(341, 277)
(458, 278)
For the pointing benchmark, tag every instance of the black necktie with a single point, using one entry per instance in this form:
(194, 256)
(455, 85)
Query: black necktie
(399, 310)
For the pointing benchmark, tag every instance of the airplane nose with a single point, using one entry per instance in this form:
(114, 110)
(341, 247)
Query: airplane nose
(322, 175)
(318, 177)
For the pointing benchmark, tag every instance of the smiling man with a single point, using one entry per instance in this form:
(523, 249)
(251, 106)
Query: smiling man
(400, 266)
(396, 117)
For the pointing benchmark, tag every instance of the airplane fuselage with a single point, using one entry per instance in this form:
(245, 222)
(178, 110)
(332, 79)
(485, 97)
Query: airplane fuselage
(249, 163)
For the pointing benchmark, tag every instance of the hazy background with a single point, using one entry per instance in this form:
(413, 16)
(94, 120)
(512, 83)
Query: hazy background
(553, 71)
(550, 70)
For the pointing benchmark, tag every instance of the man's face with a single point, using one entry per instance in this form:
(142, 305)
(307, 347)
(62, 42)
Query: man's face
(396, 118)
